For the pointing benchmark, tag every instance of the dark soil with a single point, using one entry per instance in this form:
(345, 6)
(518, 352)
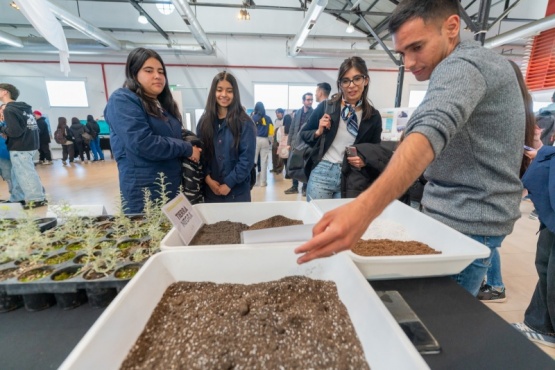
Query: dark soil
(8, 273)
(223, 232)
(387, 247)
(292, 323)
(93, 275)
(276, 221)
(227, 232)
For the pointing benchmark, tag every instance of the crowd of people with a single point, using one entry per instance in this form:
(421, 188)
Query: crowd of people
(465, 139)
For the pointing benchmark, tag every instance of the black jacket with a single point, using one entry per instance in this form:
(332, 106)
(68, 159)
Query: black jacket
(21, 127)
(44, 134)
(355, 181)
(369, 132)
(92, 128)
(77, 130)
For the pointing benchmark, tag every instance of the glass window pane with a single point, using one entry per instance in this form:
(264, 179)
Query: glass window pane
(67, 93)
(273, 96)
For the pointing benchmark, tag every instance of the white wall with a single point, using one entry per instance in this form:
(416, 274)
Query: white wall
(29, 78)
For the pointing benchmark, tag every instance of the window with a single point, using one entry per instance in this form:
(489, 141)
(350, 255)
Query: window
(273, 96)
(416, 97)
(67, 93)
(284, 96)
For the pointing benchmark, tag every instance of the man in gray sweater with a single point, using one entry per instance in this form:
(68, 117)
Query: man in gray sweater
(467, 134)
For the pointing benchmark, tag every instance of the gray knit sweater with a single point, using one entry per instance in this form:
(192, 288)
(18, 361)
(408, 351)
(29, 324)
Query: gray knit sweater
(473, 116)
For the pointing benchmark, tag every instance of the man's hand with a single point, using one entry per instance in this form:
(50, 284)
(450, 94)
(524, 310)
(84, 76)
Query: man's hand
(338, 230)
(341, 228)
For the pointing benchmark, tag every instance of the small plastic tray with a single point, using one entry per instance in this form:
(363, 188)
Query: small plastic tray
(384, 343)
(247, 213)
(458, 250)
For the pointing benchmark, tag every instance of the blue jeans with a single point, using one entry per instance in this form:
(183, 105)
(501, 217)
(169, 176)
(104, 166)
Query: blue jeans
(471, 277)
(540, 314)
(324, 181)
(95, 147)
(6, 174)
(494, 277)
(25, 179)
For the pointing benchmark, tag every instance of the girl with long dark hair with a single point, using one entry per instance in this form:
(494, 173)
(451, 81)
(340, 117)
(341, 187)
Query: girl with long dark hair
(229, 138)
(347, 120)
(145, 131)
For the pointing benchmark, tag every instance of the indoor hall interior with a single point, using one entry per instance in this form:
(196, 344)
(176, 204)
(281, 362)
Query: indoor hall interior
(95, 183)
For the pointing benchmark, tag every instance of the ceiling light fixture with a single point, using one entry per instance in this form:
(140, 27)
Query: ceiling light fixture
(244, 15)
(142, 19)
(165, 9)
(350, 28)
(14, 5)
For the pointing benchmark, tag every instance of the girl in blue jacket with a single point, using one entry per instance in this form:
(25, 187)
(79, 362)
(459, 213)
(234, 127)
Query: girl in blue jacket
(229, 138)
(145, 131)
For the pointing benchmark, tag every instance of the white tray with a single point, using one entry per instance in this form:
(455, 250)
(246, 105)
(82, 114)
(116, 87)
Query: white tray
(458, 250)
(247, 213)
(108, 341)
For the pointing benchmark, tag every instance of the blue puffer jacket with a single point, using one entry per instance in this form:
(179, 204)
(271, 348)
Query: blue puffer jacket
(229, 165)
(143, 146)
(539, 180)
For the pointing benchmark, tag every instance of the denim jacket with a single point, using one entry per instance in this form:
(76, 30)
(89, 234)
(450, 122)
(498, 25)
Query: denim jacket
(144, 146)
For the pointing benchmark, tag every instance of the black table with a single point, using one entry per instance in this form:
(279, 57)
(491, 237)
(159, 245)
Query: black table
(471, 335)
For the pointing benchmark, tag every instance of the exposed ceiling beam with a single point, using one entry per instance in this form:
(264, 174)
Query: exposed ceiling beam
(522, 32)
(141, 11)
(84, 27)
(312, 15)
(190, 19)
(6, 38)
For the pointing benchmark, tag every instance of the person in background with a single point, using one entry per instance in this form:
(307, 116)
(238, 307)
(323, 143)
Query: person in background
(229, 138)
(263, 140)
(493, 289)
(466, 136)
(94, 131)
(354, 123)
(145, 125)
(277, 162)
(22, 141)
(323, 90)
(45, 156)
(300, 117)
(539, 317)
(68, 150)
(77, 130)
(5, 163)
(550, 107)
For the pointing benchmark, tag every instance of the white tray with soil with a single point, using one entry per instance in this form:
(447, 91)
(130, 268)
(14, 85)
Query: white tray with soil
(401, 222)
(248, 214)
(107, 343)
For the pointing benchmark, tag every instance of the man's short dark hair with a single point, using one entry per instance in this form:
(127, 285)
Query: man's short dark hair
(280, 110)
(14, 92)
(326, 87)
(425, 9)
(307, 94)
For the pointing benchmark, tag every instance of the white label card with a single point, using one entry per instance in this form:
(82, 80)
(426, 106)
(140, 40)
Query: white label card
(183, 217)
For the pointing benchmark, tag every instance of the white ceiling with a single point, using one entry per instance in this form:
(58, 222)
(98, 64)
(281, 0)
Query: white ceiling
(237, 42)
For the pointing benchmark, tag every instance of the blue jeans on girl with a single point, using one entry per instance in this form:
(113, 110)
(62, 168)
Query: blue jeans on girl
(324, 181)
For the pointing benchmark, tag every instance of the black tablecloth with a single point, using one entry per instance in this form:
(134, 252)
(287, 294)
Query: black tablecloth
(471, 335)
